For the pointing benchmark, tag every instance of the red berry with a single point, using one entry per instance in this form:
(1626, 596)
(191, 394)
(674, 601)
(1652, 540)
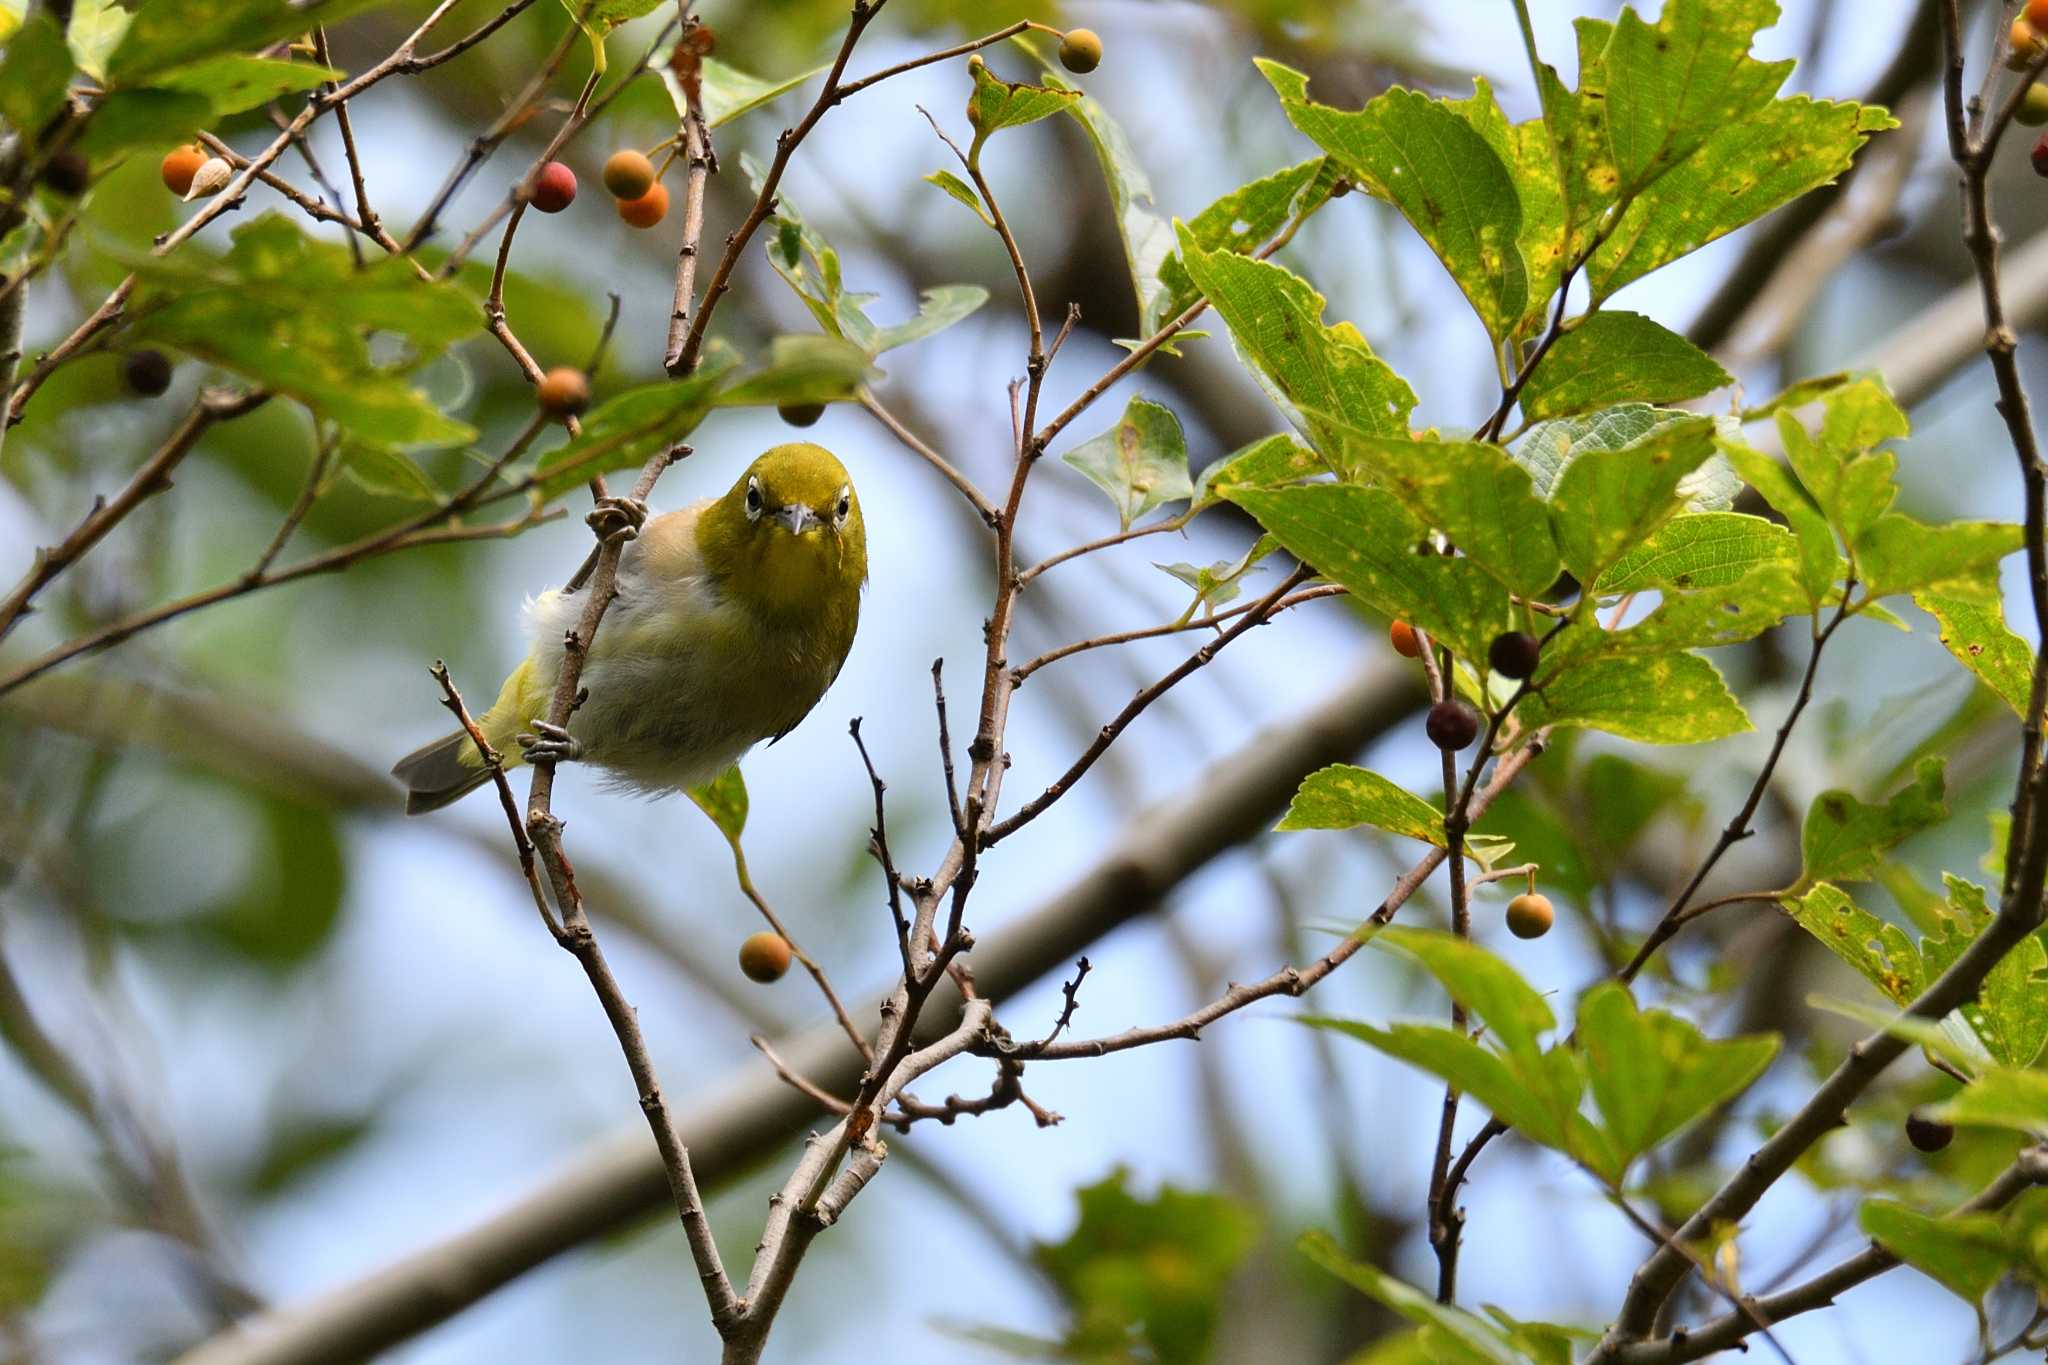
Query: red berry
(2037, 15)
(554, 189)
(1530, 916)
(764, 956)
(1452, 725)
(2040, 156)
(649, 209)
(1406, 642)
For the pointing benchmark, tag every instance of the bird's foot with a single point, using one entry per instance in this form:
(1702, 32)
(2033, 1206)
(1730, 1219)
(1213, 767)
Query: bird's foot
(550, 744)
(617, 519)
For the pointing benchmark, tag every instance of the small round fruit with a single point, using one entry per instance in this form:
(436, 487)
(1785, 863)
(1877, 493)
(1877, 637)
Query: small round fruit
(2025, 39)
(1080, 51)
(1513, 654)
(649, 209)
(563, 391)
(1452, 725)
(2040, 156)
(764, 956)
(1530, 915)
(1406, 642)
(67, 173)
(554, 189)
(147, 373)
(628, 174)
(180, 164)
(800, 414)
(2036, 14)
(2033, 110)
(1929, 1135)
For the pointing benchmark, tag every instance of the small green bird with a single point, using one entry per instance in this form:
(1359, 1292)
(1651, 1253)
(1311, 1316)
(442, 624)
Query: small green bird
(733, 617)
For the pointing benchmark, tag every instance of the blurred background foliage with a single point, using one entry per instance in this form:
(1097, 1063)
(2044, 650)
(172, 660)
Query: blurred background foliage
(261, 1036)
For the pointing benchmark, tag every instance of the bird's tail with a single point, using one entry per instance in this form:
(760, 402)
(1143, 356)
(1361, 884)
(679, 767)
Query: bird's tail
(440, 773)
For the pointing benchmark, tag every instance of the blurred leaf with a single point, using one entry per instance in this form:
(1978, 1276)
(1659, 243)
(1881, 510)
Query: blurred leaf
(1141, 462)
(1656, 699)
(1609, 358)
(1154, 1267)
(724, 799)
(1277, 321)
(176, 103)
(95, 30)
(298, 1146)
(1616, 800)
(387, 473)
(938, 308)
(1699, 550)
(1343, 797)
(170, 33)
(2009, 1014)
(1976, 633)
(35, 70)
(962, 191)
(290, 903)
(626, 429)
(1652, 1072)
(1147, 238)
(1844, 838)
(727, 91)
(1419, 155)
(1464, 1339)
(600, 17)
(1515, 1014)
(1964, 1253)
(1364, 539)
(1607, 502)
(2005, 1097)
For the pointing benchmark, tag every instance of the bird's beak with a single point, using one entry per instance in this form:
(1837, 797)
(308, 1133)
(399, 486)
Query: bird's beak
(799, 517)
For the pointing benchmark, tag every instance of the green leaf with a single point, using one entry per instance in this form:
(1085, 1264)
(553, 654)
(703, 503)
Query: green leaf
(35, 71)
(997, 104)
(1421, 156)
(1845, 839)
(1475, 1070)
(1702, 618)
(962, 191)
(724, 799)
(1673, 87)
(1655, 699)
(937, 309)
(1700, 550)
(1364, 539)
(1607, 502)
(1277, 321)
(1147, 238)
(1609, 358)
(1514, 1012)
(2009, 1015)
(171, 33)
(1241, 222)
(1819, 563)
(1880, 951)
(94, 32)
(2005, 1097)
(1957, 559)
(1264, 463)
(729, 92)
(1218, 583)
(1474, 492)
(1141, 462)
(1652, 1072)
(800, 369)
(1466, 1339)
(1576, 122)
(1526, 150)
(387, 473)
(1963, 1253)
(599, 17)
(1343, 797)
(1976, 634)
(1550, 446)
(1742, 173)
(182, 100)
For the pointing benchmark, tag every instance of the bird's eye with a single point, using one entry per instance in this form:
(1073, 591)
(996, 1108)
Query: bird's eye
(845, 505)
(753, 497)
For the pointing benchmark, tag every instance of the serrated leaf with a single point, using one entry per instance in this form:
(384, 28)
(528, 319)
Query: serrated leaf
(1672, 87)
(176, 102)
(1465, 1339)
(800, 369)
(1652, 1072)
(35, 70)
(1577, 124)
(1550, 446)
(961, 191)
(1976, 634)
(1608, 501)
(1474, 492)
(1526, 150)
(937, 309)
(2009, 1014)
(1364, 539)
(1141, 462)
(724, 800)
(1277, 321)
(172, 33)
(1701, 618)
(387, 473)
(1819, 562)
(600, 17)
(1701, 550)
(1265, 463)
(1875, 948)
(1957, 559)
(1964, 1253)
(1241, 221)
(1612, 357)
(1655, 699)
(1419, 155)
(1844, 838)
(1342, 796)
(999, 104)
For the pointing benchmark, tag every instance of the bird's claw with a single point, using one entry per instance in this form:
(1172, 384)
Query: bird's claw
(617, 518)
(550, 744)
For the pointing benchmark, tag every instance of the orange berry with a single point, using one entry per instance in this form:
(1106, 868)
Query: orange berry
(764, 956)
(563, 391)
(649, 209)
(180, 165)
(2037, 14)
(628, 174)
(1530, 916)
(1406, 643)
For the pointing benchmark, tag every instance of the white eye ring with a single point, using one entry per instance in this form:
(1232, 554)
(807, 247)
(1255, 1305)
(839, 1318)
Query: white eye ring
(753, 498)
(845, 505)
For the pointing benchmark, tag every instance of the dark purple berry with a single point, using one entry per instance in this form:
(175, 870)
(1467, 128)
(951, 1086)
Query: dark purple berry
(1513, 654)
(68, 174)
(1929, 1135)
(1452, 725)
(147, 372)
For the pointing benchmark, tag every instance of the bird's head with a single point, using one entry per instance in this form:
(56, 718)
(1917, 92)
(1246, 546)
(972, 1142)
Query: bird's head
(787, 537)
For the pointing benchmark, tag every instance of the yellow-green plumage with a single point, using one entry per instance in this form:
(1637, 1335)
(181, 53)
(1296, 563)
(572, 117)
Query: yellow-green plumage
(733, 617)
